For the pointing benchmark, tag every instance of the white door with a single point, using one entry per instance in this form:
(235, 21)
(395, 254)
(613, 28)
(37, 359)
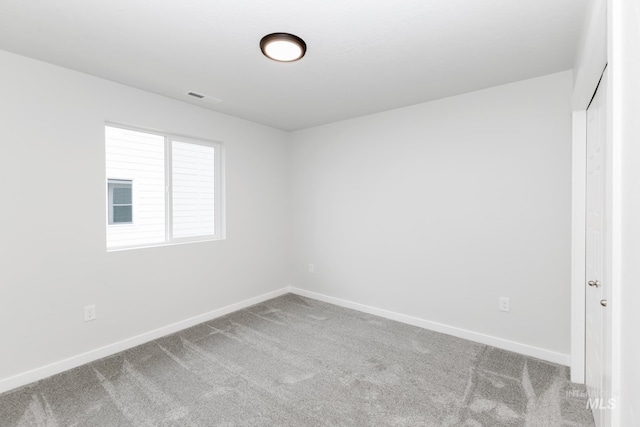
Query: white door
(596, 234)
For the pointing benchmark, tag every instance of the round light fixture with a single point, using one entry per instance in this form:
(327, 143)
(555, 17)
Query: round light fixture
(283, 47)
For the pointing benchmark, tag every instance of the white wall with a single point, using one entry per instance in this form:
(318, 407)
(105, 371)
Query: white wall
(432, 211)
(52, 221)
(625, 62)
(436, 210)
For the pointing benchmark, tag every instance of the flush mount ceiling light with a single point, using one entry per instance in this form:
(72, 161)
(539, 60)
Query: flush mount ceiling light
(283, 47)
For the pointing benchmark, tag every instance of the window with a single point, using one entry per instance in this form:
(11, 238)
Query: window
(161, 188)
(120, 204)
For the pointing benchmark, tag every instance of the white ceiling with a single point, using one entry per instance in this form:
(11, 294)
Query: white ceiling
(364, 56)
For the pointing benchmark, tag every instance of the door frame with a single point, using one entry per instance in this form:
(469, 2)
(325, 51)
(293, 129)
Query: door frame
(596, 51)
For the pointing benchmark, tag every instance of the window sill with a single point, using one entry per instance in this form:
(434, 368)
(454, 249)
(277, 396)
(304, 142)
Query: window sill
(163, 244)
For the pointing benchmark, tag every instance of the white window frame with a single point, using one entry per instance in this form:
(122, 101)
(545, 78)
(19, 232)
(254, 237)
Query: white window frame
(219, 211)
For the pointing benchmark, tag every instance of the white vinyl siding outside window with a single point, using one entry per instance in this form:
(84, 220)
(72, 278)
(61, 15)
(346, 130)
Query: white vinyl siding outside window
(193, 178)
(174, 187)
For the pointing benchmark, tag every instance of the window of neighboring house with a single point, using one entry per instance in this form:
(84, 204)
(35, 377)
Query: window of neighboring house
(120, 201)
(161, 189)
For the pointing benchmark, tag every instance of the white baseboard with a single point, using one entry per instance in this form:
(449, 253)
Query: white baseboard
(539, 353)
(25, 378)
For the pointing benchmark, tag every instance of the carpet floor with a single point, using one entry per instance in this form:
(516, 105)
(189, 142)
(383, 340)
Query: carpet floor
(294, 361)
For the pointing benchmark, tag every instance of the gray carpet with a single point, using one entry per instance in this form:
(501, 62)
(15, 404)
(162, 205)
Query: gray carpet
(294, 361)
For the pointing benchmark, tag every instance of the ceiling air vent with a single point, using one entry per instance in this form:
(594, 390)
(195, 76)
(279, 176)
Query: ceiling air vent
(205, 98)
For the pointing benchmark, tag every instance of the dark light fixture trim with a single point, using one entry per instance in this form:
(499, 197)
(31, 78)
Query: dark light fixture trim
(296, 47)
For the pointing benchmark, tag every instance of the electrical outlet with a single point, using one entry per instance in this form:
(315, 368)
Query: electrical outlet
(312, 268)
(504, 304)
(89, 312)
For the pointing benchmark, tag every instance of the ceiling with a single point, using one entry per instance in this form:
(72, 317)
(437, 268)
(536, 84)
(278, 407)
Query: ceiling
(363, 57)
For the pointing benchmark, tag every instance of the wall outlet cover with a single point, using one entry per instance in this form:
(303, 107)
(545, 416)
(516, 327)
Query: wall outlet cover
(504, 304)
(89, 313)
